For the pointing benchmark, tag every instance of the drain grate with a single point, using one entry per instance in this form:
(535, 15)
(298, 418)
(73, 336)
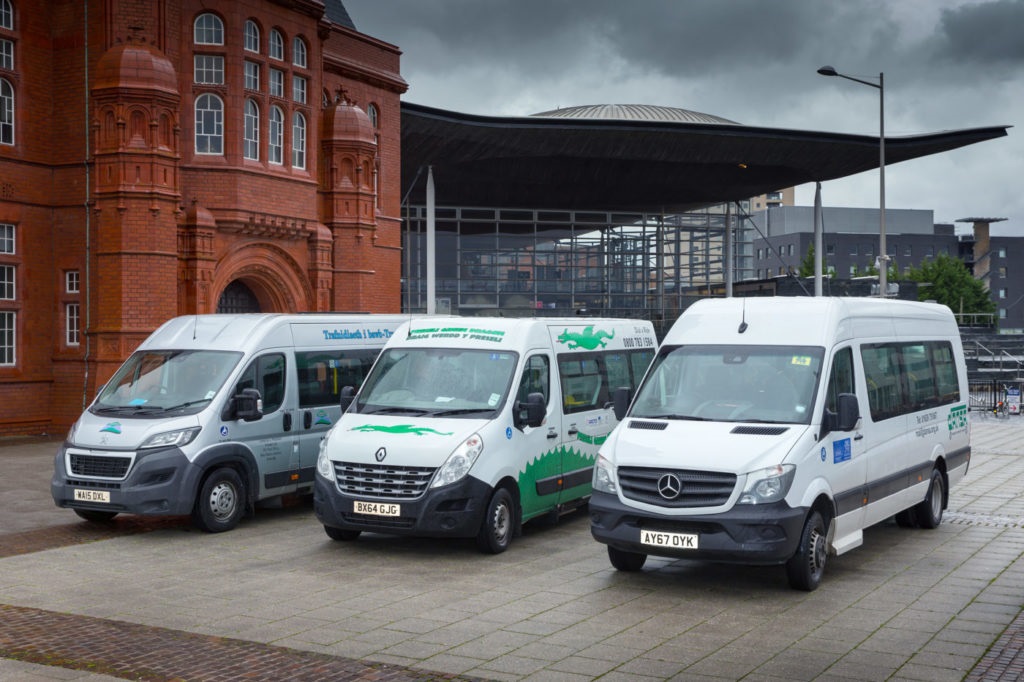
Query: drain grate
(961, 518)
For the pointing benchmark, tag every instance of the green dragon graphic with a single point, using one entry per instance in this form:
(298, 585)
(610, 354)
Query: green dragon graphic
(588, 339)
(401, 429)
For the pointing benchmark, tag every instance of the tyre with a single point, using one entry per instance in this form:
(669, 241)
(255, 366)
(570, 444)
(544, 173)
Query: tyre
(929, 512)
(626, 561)
(805, 568)
(221, 501)
(496, 531)
(341, 534)
(96, 516)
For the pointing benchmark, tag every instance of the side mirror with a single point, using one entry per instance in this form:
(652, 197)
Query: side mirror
(846, 416)
(248, 405)
(529, 413)
(347, 395)
(620, 401)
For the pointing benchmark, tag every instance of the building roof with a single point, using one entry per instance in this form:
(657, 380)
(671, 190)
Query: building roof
(633, 164)
(336, 12)
(634, 112)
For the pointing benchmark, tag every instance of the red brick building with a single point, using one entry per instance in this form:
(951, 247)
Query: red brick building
(168, 157)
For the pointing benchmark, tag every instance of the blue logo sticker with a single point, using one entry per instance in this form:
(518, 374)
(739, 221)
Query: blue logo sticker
(841, 451)
(224, 431)
(824, 455)
(508, 432)
(112, 427)
(322, 419)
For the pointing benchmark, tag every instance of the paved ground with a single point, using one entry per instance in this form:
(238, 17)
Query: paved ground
(276, 599)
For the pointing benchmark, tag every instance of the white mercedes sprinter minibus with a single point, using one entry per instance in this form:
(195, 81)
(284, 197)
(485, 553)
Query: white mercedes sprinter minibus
(775, 430)
(468, 427)
(213, 413)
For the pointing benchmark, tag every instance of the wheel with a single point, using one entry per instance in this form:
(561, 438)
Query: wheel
(929, 512)
(805, 568)
(96, 516)
(626, 561)
(341, 534)
(907, 518)
(221, 501)
(498, 525)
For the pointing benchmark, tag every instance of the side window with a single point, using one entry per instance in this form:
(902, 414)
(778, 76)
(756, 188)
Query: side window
(536, 378)
(920, 380)
(617, 366)
(882, 375)
(945, 373)
(840, 379)
(582, 385)
(322, 374)
(639, 361)
(267, 375)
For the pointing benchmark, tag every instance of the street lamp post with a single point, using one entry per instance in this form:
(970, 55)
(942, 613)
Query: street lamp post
(883, 254)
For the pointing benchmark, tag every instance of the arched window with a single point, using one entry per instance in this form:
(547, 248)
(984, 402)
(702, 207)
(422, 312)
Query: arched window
(209, 125)
(6, 15)
(252, 130)
(299, 52)
(252, 36)
(209, 30)
(276, 47)
(6, 112)
(298, 140)
(374, 116)
(275, 138)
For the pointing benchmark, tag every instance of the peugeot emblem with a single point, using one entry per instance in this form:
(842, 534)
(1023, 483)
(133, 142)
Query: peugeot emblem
(380, 454)
(669, 486)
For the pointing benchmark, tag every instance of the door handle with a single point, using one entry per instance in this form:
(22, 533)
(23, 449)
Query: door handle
(552, 434)
(287, 421)
(573, 430)
(307, 419)
(858, 436)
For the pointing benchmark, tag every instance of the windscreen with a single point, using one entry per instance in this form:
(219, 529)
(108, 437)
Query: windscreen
(157, 381)
(438, 382)
(764, 384)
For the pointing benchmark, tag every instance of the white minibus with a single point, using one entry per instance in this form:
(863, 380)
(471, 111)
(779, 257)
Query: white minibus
(468, 427)
(214, 413)
(775, 430)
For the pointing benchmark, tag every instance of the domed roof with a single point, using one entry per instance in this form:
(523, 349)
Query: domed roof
(634, 112)
(346, 121)
(135, 65)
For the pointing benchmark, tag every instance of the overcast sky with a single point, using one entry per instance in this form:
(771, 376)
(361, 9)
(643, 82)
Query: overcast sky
(948, 65)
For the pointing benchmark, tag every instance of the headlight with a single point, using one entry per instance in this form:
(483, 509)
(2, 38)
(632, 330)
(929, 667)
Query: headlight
(459, 462)
(324, 465)
(172, 438)
(765, 486)
(604, 476)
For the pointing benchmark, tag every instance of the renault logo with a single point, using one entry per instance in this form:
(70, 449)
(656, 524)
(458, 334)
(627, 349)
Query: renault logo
(669, 486)
(380, 454)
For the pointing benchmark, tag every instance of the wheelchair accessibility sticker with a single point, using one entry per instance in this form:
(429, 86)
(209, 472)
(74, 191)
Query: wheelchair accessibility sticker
(841, 451)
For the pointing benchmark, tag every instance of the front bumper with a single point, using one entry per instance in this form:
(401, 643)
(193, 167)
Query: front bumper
(749, 534)
(452, 511)
(159, 482)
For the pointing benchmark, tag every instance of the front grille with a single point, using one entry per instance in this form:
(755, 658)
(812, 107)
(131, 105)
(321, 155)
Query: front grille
(699, 488)
(96, 485)
(382, 480)
(99, 466)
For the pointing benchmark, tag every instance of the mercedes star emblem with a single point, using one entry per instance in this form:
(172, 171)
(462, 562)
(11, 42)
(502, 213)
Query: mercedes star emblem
(669, 486)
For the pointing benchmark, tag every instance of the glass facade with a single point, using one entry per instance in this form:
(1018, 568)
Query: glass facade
(525, 262)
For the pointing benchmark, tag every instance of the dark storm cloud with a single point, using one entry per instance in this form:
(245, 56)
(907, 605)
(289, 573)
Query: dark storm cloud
(948, 64)
(987, 33)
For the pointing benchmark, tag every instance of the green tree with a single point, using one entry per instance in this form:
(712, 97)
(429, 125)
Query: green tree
(807, 264)
(948, 281)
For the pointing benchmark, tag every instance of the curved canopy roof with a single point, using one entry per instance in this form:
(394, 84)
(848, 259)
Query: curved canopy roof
(549, 161)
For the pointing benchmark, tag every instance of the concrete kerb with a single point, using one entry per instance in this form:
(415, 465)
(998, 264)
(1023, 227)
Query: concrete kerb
(934, 605)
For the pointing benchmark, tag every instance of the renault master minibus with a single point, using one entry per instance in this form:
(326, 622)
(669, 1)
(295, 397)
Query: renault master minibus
(214, 413)
(775, 430)
(468, 427)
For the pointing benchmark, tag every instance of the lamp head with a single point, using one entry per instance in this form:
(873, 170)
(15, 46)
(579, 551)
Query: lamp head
(827, 71)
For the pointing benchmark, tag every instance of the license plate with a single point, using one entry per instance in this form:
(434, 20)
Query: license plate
(673, 540)
(377, 508)
(92, 496)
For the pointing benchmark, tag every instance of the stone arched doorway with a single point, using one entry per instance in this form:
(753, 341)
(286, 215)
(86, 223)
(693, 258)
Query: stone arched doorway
(238, 298)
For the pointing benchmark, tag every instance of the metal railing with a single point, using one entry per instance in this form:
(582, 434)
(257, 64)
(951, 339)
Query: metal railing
(1001, 361)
